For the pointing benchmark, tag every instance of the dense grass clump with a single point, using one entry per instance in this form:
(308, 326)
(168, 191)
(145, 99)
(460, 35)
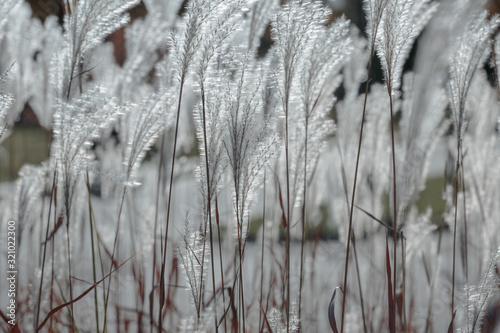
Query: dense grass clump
(237, 168)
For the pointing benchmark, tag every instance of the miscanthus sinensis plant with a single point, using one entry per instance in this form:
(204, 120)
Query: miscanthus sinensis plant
(239, 161)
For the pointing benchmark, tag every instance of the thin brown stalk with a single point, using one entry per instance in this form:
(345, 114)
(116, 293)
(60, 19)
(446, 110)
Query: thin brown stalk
(455, 201)
(94, 272)
(52, 271)
(240, 255)
(466, 246)
(403, 259)
(220, 257)
(395, 236)
(358, 275)
(349, 234)
(68, 244)
(209, 208)
(114, 251)
(262, 250)
(303, 225)
(155, 228)
(170, 186)
(45, 251)
(288, 226)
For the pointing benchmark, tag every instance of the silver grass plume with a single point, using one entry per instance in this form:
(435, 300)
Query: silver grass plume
(374, 10)
(470, 53)
(209, 114)
(76, 124)
(318, 80)
(218, 32)
(85, 26)
(402, 22)
(141, 126)
(215, 115)
(481, 295)
(186, 42)
(291, 28)
(248, 140)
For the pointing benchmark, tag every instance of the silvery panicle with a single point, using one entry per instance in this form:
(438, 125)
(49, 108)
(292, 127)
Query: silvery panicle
(210, 78)
(402, 21)
(317, 82)
(471, 51)
(216, 35)
(186, 41)
(374, 10)
(141, 126)
(319, 76)
(214, 119)
(248, 140)
(480, 295)
(76, 124)
(85, 26)
(291, 28)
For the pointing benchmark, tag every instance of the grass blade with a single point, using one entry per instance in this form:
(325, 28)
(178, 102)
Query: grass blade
(331, 313)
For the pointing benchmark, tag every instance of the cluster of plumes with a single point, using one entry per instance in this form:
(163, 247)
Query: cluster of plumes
(85, 26)
(113, 127)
